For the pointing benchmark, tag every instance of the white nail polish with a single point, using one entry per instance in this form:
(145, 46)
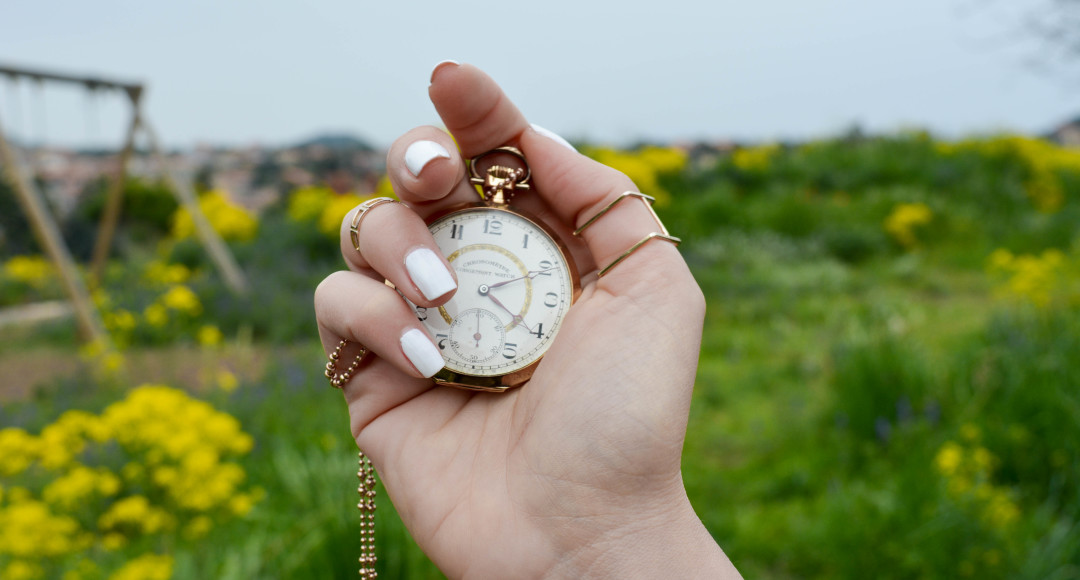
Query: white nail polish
(440, 65)
(429, 273)
(421, 352)
(553, 136)
(420, 153)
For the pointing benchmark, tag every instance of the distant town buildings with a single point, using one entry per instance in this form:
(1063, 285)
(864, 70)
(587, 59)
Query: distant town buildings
(1068, 134)
(254, 176)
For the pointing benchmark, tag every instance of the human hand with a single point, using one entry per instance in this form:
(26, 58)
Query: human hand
(575, 474)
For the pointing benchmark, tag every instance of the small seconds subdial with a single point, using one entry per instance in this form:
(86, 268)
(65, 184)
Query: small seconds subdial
(477, 335)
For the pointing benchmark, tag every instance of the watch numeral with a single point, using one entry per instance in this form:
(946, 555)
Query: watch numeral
(457, 231)
(525, 244)
(441, 339)
(539, 330)
(551, 300)
(510, 351)
(493, 227)
(421, 313)
(545, 265)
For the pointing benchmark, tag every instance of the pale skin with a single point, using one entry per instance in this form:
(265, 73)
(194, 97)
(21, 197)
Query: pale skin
(577, 473)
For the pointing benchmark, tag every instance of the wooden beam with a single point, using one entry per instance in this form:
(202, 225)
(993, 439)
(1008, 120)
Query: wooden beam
(48, 235)
(90, 82)
(114, 200)
(215, 246)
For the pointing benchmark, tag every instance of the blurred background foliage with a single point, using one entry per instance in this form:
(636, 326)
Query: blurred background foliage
(889, 383)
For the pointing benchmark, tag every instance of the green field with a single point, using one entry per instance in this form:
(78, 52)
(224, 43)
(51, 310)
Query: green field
(889, 383)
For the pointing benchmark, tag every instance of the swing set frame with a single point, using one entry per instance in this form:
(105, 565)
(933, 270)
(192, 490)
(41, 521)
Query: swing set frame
(46, 230)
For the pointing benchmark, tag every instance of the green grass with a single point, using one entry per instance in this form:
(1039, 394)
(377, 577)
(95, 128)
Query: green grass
(835, 367)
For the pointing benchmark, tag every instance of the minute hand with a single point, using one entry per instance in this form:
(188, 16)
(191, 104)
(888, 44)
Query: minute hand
(532, 274)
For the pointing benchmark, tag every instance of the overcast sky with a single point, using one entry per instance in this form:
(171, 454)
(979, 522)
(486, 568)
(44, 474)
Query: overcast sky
(273, 72)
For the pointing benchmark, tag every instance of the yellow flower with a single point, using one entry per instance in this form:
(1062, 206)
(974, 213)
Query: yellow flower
(18, 450)
(1000, 260)
(22, 570)
(165, 274)
(334, 212)
(232, 222)
(78, 486)
(982, 459)
(1001, 511)
(113, 541)
(227, 381)
(1034, 278)
(135, 514)
(644, 166)
(948, 458)
(33, 271)
(210, 335)
(119, 321)
(198, 527)
(240, 504)
(1043, 160)
(156, 315)
(755, 159)
(145, 567)
(29, 529)
(903, 221)
(182, 299)
(307, 203)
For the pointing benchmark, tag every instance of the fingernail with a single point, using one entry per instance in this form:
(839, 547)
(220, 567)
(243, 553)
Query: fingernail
(439, 66)
(420, 153)
(429, 273)
(421, 352)
(553, 136)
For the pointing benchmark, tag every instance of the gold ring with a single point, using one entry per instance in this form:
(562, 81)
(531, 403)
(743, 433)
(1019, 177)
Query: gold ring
(354, 229)
(663, 234)
(338, 380)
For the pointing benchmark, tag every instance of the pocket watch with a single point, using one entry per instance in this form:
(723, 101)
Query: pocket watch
(516, 282)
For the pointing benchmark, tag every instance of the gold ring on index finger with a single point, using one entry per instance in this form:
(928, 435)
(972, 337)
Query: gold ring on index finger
(354, 228)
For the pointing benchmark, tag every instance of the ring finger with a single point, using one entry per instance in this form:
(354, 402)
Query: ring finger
(392, 240)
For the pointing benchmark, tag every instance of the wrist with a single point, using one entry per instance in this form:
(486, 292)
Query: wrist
(666, 540)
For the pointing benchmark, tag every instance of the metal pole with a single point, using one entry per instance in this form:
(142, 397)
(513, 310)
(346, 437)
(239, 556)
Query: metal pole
(48, 235)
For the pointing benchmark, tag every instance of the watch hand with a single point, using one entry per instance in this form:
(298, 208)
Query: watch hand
(532, 274)
(515, 318)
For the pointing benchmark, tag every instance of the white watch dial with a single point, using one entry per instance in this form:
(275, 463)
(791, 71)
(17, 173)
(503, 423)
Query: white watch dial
(513, 290)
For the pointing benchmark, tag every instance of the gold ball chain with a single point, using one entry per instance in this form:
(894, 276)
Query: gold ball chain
(366, 475)
(338, 380)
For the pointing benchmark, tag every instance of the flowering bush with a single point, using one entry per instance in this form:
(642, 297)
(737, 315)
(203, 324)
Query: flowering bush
(755, 159)
(967, 468)
(156, 465)
(904, 220)
(1045, 163)
(231, 221)
(325, 209)
(1033, 278)
(34, 271)
(644, 166)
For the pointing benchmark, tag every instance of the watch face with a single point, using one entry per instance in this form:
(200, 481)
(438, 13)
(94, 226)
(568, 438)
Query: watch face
(514, 287)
